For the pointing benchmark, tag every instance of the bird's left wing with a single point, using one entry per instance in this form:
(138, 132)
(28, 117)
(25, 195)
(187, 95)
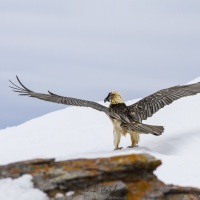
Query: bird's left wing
(56, 98)
(146, 107)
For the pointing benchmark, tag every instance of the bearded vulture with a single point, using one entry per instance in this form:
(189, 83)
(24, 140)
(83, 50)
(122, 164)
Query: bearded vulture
(125, 119)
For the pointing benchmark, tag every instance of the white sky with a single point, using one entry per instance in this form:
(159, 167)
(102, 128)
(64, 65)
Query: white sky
(88, 48)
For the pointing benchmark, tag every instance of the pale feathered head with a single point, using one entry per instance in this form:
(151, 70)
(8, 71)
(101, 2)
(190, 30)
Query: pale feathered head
(114, 97)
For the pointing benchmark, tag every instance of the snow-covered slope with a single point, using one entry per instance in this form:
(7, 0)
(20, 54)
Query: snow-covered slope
(83, 133)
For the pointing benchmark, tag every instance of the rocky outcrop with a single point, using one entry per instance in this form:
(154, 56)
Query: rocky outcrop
(120, 177)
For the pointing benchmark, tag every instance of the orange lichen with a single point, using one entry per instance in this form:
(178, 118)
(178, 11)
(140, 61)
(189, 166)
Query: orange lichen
(137, 190)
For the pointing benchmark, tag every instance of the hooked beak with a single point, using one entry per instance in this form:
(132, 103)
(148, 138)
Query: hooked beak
(107, 98)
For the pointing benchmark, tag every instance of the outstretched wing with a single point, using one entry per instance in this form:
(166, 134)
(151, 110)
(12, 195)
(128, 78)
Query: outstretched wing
(146, 107)
(56, 98)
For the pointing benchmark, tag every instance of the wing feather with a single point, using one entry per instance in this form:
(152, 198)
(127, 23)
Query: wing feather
(51, 97)
(151, 104)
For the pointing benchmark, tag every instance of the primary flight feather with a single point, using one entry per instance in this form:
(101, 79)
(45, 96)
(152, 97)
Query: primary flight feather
(125, 119)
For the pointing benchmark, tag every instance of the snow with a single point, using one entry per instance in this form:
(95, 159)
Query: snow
(20, 189)
(76, 132)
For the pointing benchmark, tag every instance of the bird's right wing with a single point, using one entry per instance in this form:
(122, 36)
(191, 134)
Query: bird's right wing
(146, 107)
(22, 90)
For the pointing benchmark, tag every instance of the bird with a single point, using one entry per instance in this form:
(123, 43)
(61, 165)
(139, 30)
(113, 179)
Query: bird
(125, 119)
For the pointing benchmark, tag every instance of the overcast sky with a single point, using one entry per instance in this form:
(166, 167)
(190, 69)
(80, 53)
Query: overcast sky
(86, 49)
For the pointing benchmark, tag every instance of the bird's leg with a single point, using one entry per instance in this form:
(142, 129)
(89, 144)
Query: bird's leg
(134, 139)
(117, 137)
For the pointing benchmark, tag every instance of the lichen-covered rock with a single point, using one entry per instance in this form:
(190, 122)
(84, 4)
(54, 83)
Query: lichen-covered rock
(120, 177)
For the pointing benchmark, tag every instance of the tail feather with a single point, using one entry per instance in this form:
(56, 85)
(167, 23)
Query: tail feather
(144, 128)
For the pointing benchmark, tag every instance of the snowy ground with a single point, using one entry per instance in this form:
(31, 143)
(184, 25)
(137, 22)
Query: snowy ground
(85, 133)
(20, 189)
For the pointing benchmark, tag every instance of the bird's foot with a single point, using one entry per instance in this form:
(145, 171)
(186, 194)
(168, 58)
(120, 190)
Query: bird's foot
(118, 148)
(132, 146)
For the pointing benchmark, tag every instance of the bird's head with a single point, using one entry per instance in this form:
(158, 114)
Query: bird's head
(114, 97)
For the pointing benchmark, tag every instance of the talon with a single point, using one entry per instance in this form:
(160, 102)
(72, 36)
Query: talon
(118, 148)
(132, 146)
